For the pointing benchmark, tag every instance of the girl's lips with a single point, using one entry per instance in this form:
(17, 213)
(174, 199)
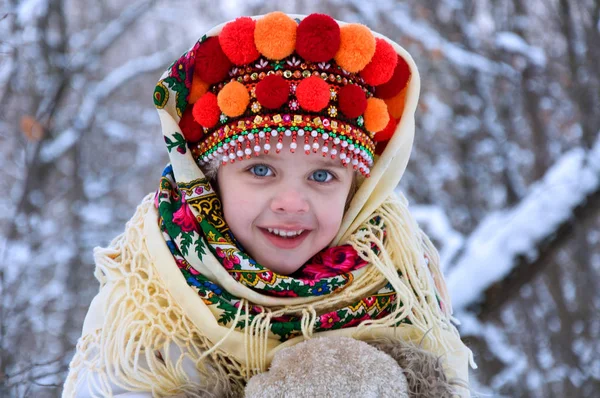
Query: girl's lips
(285, 243)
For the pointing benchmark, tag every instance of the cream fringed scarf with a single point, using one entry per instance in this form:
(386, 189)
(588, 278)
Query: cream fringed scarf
(148, 330)
(146, 307)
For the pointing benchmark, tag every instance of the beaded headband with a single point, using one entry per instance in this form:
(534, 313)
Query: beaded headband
(336, 89)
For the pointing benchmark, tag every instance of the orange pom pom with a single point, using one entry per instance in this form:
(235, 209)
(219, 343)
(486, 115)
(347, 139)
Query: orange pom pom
(357, 47)
(233, 99)
(396, 103)
(376, 115)
(275, 35)
(382, 65)
(199, 88)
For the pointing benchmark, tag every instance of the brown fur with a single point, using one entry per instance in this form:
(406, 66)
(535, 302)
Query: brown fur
(423, 370)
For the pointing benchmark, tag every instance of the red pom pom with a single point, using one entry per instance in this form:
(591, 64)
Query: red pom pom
(237, 41)
(397, 82)
(382, 65)
(272, 91)
(313, 94)
(352, 100)
(212, 64)
(190, 128)
(317, 38)
(380, 147)
(388, 131)
(206, 110)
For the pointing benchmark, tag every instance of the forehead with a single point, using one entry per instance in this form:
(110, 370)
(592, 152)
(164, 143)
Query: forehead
(300, 157)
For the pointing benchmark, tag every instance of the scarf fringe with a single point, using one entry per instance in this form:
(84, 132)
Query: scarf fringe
(146, 339)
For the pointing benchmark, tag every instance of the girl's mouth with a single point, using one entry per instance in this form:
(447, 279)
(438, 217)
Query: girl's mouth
(288, 242)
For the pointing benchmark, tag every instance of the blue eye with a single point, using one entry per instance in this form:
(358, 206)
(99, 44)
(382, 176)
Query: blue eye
(322, 176)
(259, 170)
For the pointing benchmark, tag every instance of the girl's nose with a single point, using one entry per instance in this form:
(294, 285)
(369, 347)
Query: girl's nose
(289, 201)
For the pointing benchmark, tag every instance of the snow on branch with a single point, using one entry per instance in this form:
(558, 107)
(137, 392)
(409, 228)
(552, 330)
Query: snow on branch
(103, 89)
(512, 42)
(490, 252)
(434, 220)
(113, 30)
(431, 39)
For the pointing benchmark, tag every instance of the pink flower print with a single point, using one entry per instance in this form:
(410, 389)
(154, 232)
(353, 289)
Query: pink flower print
(283, 293)
(332, 262)
(369, 301)
(357, 321)
(329, 319)
(231, 261)
(266, 276)
(220, 252)
(185, 218)
(199, 190)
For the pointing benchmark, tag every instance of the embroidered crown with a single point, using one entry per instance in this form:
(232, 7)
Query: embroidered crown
(333, 89)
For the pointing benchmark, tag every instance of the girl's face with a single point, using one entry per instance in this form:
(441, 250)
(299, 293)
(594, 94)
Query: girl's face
(287, 192)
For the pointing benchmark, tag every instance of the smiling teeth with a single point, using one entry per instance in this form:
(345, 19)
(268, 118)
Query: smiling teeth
(284, 233)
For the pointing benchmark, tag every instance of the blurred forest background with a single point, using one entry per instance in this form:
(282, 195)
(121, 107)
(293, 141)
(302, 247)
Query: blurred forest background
(505, 173)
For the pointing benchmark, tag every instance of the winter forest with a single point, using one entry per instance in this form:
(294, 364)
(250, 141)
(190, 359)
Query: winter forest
(504, 175)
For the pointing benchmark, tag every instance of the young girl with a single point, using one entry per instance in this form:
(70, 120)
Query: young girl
(276, 220)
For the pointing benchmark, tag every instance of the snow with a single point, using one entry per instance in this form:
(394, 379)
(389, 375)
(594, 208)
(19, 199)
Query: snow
(435, 221)
(512, 42)
(96, 214)
(432, 40)
(489, 253)
(29, 10)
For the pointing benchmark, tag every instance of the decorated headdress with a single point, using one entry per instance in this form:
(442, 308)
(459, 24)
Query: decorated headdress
(335, 89)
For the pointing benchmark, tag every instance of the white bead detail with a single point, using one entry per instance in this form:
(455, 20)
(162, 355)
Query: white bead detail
(267, 146)
(220, 149)
(336, 140)
(306, 147)
(251, 136)
(261, 134)
(225, 146)
(325, 149)
(274, 133)
(344, 144)
(351, 147)
(232, 156)
(301, 132)
(240, 153)
(225, 158)
(325, 136)
(241, 138)
(293, 145)
(248, 151)
(334, 151)
(279, 145)
(315, 145)
(256, 148)
(354, 161)
(313, 133)
(288, 133)
(342, 156)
